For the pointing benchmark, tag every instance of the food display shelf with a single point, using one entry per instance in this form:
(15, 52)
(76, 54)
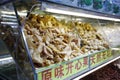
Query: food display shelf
(74, 68)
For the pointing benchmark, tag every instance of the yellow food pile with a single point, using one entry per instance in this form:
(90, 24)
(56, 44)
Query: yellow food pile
(52, 41)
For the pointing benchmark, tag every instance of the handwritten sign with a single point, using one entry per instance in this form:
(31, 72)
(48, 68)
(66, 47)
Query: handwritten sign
(68, 69)
(64, 70)
(99, 58)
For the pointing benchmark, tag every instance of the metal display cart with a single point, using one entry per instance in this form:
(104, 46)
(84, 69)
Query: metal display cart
(72, 69)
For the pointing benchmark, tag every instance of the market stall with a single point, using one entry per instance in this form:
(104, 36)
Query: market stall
(60, 42)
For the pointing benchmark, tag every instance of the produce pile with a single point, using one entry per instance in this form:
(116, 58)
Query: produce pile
(52, 41)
